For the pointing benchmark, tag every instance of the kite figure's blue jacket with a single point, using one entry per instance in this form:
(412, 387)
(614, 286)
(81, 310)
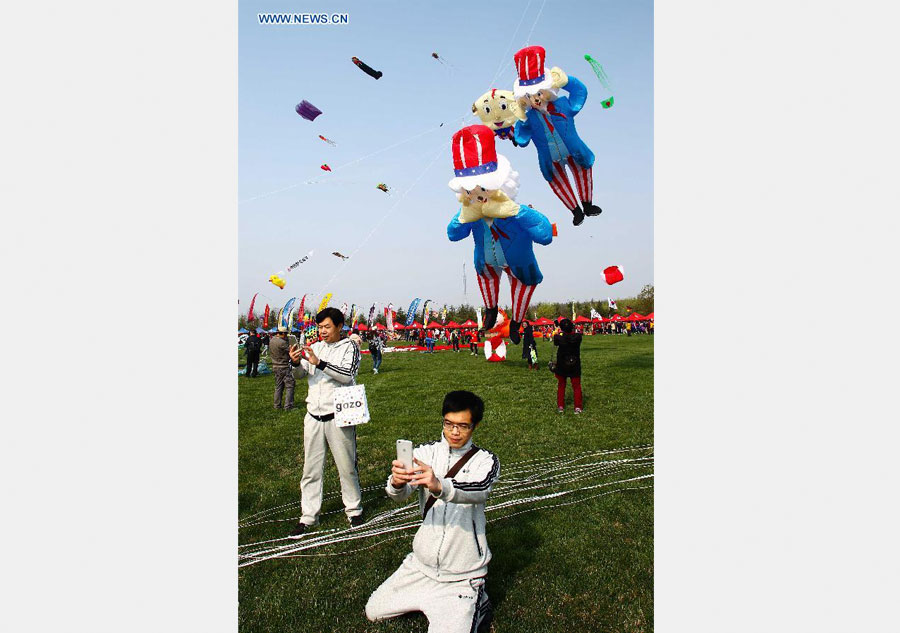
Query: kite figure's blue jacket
(561, 115)
(514, 236)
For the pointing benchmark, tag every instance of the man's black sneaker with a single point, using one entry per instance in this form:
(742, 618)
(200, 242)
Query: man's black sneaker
(357, 520)
(578, 216)
(592, 209)
(299, 529)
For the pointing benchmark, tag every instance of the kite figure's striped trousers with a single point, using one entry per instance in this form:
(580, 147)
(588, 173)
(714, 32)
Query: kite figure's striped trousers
(489, 284)
(584, 183)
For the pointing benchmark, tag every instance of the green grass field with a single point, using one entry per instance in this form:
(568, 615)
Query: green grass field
(585, 564)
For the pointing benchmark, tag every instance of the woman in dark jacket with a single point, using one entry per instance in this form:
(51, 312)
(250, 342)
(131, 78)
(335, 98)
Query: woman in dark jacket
(529, 346)
(568, 364)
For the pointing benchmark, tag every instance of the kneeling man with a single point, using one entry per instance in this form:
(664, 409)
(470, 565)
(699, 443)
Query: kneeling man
(444, 575)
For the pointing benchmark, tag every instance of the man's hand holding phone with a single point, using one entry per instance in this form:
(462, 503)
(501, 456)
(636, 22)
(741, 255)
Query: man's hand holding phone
(424, 476)
(310, 355)
(399, 475)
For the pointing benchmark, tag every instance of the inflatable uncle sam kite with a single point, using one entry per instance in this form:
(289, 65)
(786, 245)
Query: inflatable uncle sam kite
(502, 229)
(550, 123)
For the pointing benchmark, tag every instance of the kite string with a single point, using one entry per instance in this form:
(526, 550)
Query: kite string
(509, 46)
(611, 467)
(508, 486)
(330, 539)
(384, 217)
(252, 558)
(345, 165)
(511, 469)
(531, 32)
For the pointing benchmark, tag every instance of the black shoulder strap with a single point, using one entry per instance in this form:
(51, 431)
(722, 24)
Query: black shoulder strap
(450, 474)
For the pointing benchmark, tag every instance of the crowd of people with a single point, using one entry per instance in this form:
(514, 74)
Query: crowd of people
(450, 552)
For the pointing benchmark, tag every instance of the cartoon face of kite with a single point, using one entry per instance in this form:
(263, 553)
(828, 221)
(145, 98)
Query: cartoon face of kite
(278, 281)
(498, 110)
(536, 86)
(485, 182)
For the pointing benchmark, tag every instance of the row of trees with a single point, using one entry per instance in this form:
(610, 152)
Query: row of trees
(642, 303)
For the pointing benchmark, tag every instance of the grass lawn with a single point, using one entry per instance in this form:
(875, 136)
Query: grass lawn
(586, 564)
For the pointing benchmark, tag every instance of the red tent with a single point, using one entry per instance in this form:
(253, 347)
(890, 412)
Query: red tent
(543, 321)
(581, 319)
(434, 324)
(379, 326)
(650, 316)
(453, 324)
(414, 324)
(617, 317)
(469, 323)
(362, 327)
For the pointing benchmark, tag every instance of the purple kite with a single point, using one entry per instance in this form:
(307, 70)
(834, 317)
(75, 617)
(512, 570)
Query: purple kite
(307, 110)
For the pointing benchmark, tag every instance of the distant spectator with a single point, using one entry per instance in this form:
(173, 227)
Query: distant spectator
(568, 365)
(281, 366)
(376, 346)
(529, 345)
(252, 347)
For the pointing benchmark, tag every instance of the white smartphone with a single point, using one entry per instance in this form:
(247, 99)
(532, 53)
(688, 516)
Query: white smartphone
(405, 453)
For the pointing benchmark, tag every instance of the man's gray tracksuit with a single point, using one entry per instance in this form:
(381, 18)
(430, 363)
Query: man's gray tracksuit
(338, 366)
(444, 575)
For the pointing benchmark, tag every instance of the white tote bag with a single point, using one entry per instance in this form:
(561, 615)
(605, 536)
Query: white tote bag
(350, 405)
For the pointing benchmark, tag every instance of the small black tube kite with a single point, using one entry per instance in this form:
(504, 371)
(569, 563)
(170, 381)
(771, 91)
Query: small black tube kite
(371, 72)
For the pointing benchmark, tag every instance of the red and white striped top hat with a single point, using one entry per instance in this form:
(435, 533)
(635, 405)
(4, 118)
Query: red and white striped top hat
(476, 161)
(533, 75)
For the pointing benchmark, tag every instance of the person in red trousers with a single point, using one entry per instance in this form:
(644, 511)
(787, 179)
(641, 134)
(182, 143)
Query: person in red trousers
(568, 365)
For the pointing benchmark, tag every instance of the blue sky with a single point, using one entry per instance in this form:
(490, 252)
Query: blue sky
(398, 243)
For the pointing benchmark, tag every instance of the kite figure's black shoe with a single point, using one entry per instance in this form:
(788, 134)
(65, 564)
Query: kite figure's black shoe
(357, 520)
(592, 209)
(300, 529)
(514, 332)
(490, 318)
(579, 216)
(379, 75)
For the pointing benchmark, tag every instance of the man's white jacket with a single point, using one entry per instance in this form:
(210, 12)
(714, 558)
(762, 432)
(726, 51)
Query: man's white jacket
(338, 366)
(451, 544)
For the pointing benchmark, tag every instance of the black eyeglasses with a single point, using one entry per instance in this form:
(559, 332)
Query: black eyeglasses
(462, 427)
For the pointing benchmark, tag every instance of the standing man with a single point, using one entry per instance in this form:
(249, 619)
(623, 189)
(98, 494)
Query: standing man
(444, 576)
(328, 363)
(375, 347)
(281, 366)
(454, 340)
(252, 347)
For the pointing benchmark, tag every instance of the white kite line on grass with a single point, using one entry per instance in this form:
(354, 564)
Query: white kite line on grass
(513, 468)
(539, 479)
